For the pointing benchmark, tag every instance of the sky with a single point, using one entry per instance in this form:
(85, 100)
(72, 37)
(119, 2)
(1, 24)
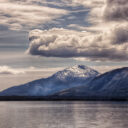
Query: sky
(40, 37)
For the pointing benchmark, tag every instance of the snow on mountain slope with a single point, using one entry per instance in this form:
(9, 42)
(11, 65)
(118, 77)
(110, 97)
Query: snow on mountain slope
(65, 79)
(113, 84)
(78, 71)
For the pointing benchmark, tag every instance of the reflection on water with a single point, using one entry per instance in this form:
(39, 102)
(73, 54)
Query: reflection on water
(61, 114)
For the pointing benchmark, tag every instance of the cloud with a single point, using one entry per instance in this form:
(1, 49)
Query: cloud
(102, 41)
(116, 10)
(103, 69)
(120, 34)
(68, 43)
(6, 70)
(21, 15)
(29, 14)
(36, 69)
(9, 70)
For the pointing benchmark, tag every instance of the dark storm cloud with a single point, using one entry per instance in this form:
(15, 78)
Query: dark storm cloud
(116, 10)
(120, 35)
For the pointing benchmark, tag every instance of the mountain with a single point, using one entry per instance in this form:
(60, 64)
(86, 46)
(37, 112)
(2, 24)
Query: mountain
(110, 85)
(62, 80)
(77, 82)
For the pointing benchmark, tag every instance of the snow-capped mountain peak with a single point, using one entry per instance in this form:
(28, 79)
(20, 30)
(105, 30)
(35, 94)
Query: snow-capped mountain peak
(79, 71)
(112, 85)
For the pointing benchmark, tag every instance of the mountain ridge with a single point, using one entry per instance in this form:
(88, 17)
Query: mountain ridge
(76, 83)
(112, 84)
(67, 78)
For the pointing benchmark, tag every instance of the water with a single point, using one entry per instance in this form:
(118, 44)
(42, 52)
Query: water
(62, 114)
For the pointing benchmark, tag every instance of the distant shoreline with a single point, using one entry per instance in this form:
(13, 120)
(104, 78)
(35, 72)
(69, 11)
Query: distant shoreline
(39, 98)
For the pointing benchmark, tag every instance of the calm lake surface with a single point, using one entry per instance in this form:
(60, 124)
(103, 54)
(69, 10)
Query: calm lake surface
(63, 114)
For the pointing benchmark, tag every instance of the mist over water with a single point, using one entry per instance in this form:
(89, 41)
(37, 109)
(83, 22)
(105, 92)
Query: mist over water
(63, 114)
